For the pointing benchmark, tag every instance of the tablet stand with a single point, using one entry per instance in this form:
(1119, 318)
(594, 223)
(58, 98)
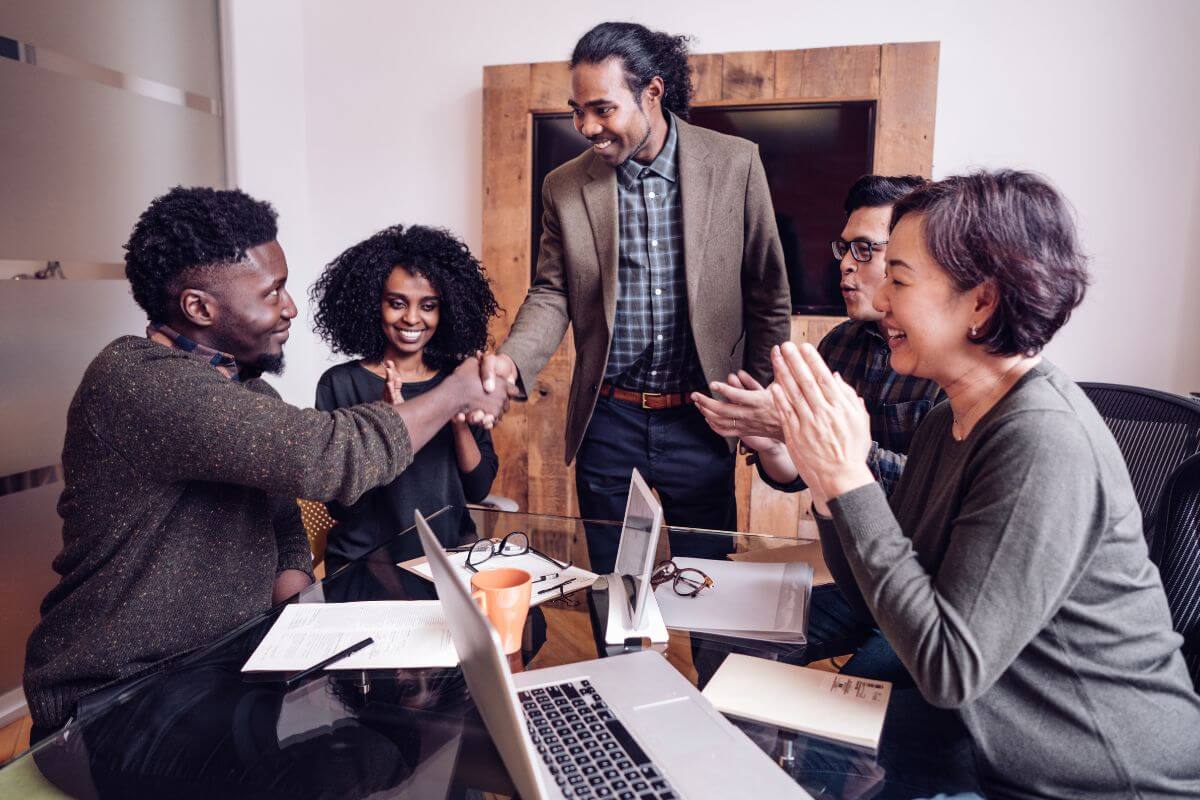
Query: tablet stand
(618, 627)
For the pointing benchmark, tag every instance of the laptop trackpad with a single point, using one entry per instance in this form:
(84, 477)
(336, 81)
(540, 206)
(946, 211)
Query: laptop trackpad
(683, 729)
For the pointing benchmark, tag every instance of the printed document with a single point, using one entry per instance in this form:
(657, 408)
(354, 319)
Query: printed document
(407, 634)
(546, 576)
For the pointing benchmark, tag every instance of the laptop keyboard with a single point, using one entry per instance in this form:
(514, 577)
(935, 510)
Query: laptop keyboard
(587, 749)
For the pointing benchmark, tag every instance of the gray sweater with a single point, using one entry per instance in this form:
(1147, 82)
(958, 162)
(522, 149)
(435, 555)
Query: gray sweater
(1010, 574)
(179, 510)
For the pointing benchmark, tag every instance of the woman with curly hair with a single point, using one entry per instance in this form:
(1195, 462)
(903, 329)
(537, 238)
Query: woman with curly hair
(415, 302)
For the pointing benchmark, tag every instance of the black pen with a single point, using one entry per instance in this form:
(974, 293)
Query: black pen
(354, 648)
(556, 587)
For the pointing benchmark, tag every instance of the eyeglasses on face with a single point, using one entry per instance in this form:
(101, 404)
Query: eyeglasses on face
(686, 582)
(860, 249)
(514, 544)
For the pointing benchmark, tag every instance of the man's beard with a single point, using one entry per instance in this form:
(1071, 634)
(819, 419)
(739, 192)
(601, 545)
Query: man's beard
(645, 138)
(269, 363)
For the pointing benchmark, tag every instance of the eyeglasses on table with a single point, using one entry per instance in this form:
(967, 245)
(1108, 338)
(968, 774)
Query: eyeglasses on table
(686, 581)
(515, 543)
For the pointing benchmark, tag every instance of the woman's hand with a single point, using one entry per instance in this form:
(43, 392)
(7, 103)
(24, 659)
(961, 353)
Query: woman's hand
(392, 384)
(825, 423)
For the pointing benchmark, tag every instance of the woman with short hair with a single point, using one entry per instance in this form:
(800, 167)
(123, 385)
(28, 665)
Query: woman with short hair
(1008, 570)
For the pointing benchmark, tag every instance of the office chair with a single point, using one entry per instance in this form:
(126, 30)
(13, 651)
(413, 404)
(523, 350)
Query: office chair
(1176, 551)
(317, 523)
(1155, 431)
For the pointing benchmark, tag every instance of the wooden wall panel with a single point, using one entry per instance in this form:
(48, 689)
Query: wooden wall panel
(506, 232)
(706, 77)
(550, 86)
(841, 72)
(907, 109)
(748, 76)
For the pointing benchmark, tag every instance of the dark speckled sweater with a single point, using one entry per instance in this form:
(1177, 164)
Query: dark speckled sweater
(178, 511)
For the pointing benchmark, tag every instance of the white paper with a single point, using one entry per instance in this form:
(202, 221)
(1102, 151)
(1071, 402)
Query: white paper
(834, 706)
(762, 600)
(407, 633)
(535, 565)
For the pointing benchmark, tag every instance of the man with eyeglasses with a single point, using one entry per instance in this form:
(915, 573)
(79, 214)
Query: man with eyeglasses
(856, 349)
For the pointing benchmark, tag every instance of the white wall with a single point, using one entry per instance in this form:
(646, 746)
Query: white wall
(355, 115)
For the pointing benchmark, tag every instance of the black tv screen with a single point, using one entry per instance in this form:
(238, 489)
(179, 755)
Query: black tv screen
(811, 153)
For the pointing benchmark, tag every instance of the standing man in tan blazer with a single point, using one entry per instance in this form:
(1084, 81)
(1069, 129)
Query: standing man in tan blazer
(660, 250)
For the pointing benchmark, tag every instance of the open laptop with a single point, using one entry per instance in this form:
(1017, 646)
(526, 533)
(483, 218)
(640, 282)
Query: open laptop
(627, 726)
(639, 543)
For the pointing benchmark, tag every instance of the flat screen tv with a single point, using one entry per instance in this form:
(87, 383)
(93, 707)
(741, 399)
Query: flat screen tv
(811, 153)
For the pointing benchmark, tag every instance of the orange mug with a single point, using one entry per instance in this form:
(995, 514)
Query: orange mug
(503, 596)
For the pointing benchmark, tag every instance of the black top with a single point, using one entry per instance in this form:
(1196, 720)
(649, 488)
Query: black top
(432, 481)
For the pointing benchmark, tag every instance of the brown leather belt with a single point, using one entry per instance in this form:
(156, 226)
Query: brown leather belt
(649, 400)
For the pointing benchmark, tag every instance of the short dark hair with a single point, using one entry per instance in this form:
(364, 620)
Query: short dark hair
(644, 53)
(1014, 229)
(188, 229)
(347, 296)
(873, 191)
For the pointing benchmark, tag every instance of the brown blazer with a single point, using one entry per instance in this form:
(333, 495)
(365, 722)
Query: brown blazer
(738, 301)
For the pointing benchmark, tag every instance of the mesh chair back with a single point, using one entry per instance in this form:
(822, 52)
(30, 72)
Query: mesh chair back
(1155, 431)
(1176, 551)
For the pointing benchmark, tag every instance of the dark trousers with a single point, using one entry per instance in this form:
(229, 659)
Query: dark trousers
(680, 457)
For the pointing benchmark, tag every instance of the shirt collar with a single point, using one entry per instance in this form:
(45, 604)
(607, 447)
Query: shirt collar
(224, 363)
(664, 164)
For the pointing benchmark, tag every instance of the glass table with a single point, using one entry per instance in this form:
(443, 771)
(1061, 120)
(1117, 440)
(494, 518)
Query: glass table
(196, 726)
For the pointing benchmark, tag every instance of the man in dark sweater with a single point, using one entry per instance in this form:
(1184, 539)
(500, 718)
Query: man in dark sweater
(182, 466)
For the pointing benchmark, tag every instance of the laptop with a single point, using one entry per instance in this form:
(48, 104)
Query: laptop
(623, 727)
(636, 549)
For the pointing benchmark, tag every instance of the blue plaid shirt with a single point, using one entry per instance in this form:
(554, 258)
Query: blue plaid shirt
(897, 403)
(223, 362)
(652, 348)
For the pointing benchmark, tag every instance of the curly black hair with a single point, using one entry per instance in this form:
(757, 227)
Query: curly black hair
(645, 53)
(190, 229)
(348, 294)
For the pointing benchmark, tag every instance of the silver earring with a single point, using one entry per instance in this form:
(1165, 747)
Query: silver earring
(974, 331)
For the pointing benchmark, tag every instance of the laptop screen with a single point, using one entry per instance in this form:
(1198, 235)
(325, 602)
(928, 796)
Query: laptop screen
(639, 539)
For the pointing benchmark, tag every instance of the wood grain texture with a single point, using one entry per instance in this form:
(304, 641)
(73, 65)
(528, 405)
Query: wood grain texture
(907, 109)
(840, 72)
(748, 76)
(506, 233)
(706, 77)
(550, 86)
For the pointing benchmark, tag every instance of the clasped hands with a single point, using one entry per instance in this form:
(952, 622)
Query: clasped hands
(819, 418)
(480, 401)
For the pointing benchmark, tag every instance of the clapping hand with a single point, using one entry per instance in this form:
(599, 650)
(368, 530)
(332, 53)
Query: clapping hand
(741, 407)
(392, 385)
(825, 423)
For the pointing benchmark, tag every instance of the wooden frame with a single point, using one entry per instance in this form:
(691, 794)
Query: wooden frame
(900, 78)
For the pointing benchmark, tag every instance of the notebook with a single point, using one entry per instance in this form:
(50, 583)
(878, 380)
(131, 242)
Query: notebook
(812, 701)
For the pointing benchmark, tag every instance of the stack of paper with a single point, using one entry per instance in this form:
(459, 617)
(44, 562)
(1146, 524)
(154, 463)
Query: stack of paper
(407, 634)
(801, 699)
(755, 601)
(549, 580)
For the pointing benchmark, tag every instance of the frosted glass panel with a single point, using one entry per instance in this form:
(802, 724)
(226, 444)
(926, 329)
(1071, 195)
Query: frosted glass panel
(51, 331)
(32, 538)
(82, 160)
(174, 42)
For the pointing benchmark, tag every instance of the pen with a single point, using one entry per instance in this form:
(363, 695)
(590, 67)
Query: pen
(354, 648)
(549, 576)
(556, 586)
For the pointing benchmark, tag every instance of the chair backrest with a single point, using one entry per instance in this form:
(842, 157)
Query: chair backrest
(317, 524)
(1155, 431)
(1176, 551)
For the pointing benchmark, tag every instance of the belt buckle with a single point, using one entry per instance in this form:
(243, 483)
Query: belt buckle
(649, 394)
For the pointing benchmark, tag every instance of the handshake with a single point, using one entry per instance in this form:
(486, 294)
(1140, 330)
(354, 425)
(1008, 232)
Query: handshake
(478, 390)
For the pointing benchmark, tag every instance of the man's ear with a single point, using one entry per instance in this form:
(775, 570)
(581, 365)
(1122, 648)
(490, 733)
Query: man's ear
(653, 93)
(198, 307)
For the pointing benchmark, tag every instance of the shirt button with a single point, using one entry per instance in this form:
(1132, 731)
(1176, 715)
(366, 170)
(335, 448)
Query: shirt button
(653, 372)
(654, 242)
(650, 195)
(658, 291)
(660, 337)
